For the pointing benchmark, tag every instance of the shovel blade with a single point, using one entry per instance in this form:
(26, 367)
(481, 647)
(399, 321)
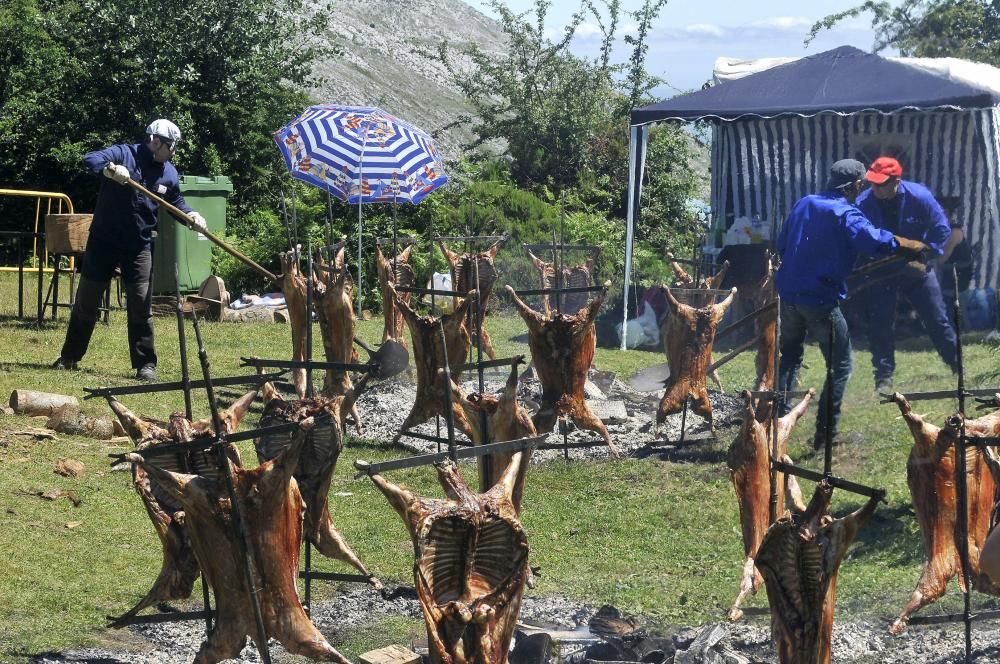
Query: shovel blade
(391, 358)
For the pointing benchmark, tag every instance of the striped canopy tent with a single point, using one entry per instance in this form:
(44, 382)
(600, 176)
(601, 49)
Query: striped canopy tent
(778, 125)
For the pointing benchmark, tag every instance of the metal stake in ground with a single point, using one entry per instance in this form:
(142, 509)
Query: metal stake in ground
(961, 482)
(447, 392)
(238, 524)
(309, 320)
(828, 443)
(776, 402)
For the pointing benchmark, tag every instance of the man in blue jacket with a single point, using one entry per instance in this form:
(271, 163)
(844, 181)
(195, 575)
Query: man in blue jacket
(909, 210)
(121, 235)
(818, 245)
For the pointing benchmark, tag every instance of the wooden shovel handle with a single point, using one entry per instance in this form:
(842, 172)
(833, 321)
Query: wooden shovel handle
(184, 219)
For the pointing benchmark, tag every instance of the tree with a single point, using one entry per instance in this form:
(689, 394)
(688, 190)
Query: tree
(968, 29)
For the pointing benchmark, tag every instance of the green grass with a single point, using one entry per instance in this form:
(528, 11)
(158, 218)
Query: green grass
(651, 536)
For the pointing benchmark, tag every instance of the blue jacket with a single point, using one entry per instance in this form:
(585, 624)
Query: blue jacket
(818, 245)
(920, 215)
(123, 217)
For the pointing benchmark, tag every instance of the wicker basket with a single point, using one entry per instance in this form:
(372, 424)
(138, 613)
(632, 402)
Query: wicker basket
(67, 233)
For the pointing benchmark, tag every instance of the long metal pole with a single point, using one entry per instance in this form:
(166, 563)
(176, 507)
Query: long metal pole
(961, 482)
(828, 443)
(309, 320)
(776, 401)
(238, 522)
(450, 412)
(485, 462)
(361, 197)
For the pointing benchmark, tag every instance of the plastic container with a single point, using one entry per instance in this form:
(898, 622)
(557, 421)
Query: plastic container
(191, 251)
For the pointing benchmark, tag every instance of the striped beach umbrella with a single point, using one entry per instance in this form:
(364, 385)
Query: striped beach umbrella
(361, 154)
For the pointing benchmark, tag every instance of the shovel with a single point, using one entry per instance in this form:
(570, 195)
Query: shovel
(391, 358)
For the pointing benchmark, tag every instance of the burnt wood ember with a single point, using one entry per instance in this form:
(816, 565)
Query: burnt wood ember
(293, 287)
(562, 350)
(272, 508)
(317, 463)
(428, 357)
(179, 568)
(463, 279)
(749, 462)
(332, 295)
(470, 563)
(799, 559)
(688, 334)
(930, 474)
(506, 419)
(579, 275)
(400, 274)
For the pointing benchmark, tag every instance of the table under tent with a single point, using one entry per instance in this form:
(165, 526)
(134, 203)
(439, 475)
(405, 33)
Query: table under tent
(778, 125)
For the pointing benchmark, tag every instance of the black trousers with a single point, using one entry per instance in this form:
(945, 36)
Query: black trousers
(99, 262)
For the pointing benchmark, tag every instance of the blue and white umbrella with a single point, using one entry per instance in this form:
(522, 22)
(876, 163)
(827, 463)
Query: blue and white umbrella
(361, 154)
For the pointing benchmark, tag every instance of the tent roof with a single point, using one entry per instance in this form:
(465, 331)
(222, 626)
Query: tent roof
(844, 80)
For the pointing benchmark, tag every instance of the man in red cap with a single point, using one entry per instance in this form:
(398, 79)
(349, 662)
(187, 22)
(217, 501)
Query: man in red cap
(906, 209)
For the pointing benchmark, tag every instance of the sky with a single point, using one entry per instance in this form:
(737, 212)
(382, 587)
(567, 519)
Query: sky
(690, 34)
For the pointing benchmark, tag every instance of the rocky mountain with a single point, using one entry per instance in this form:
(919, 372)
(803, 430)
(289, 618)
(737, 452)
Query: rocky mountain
(387, 56)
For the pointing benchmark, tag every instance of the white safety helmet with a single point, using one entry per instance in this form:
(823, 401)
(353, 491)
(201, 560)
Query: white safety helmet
(166, 130)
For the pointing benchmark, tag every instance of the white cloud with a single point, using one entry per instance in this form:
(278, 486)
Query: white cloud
(704, 29)
(784, 23)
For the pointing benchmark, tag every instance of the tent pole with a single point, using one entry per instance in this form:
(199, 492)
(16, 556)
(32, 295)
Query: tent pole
(636, 147)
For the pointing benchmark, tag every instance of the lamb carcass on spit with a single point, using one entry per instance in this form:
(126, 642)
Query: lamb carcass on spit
(749, 462)
(179, 568)
(464, 269)
(799, 559)
(332, 293)
(579, 275)
(688, 335)
(271, 506)
(930, 474)
(506, 419)
(429, 356)
(706, 282)
(562, 349)
(397, 273)
(470, 563)
(317, 463)
(293, 287)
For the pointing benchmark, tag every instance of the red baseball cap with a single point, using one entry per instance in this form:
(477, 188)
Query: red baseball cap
(882, 169)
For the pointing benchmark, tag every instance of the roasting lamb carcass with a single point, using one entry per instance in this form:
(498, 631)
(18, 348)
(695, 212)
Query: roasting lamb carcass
(293, 287)
(428, 358)
(575, 276)
(397, 273)
(463, 279)
(470, 563)
(562, 349)
(317, 463)
(271, 507)
(765, 328)
(179, 568)
(688, 334)
(930, 474)
(506, 419)
(332, 292)
(749, 463)
(799, 559)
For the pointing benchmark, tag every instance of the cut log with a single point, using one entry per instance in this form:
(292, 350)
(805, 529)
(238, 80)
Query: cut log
(271, 506)
(68, 419)
(930, 474)
(562, 349)
(749, 462)
(30, 402)
(799, 559)
(465, 268)
(316, 465)
(470, 563)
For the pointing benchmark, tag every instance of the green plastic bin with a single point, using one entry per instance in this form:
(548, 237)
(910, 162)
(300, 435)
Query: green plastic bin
(192, 252)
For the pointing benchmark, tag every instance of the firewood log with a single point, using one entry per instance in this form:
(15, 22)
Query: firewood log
(464, 269)
(799, 558)
(688, 334)
(272, 507)
(470, 563)
(930, 474)
(562, 350)
(749, 462)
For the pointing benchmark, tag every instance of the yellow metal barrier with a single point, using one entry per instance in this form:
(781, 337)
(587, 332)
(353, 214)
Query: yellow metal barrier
(51, 197)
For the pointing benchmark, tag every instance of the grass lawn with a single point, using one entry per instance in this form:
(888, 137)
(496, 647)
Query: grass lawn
(648, 535)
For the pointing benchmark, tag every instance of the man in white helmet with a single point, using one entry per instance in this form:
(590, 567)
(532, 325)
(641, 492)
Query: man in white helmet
(122, 235)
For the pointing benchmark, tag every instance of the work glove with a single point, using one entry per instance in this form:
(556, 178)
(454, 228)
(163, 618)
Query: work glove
(116, 172)
(199, 222)
(915, 269)
(913, 249)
